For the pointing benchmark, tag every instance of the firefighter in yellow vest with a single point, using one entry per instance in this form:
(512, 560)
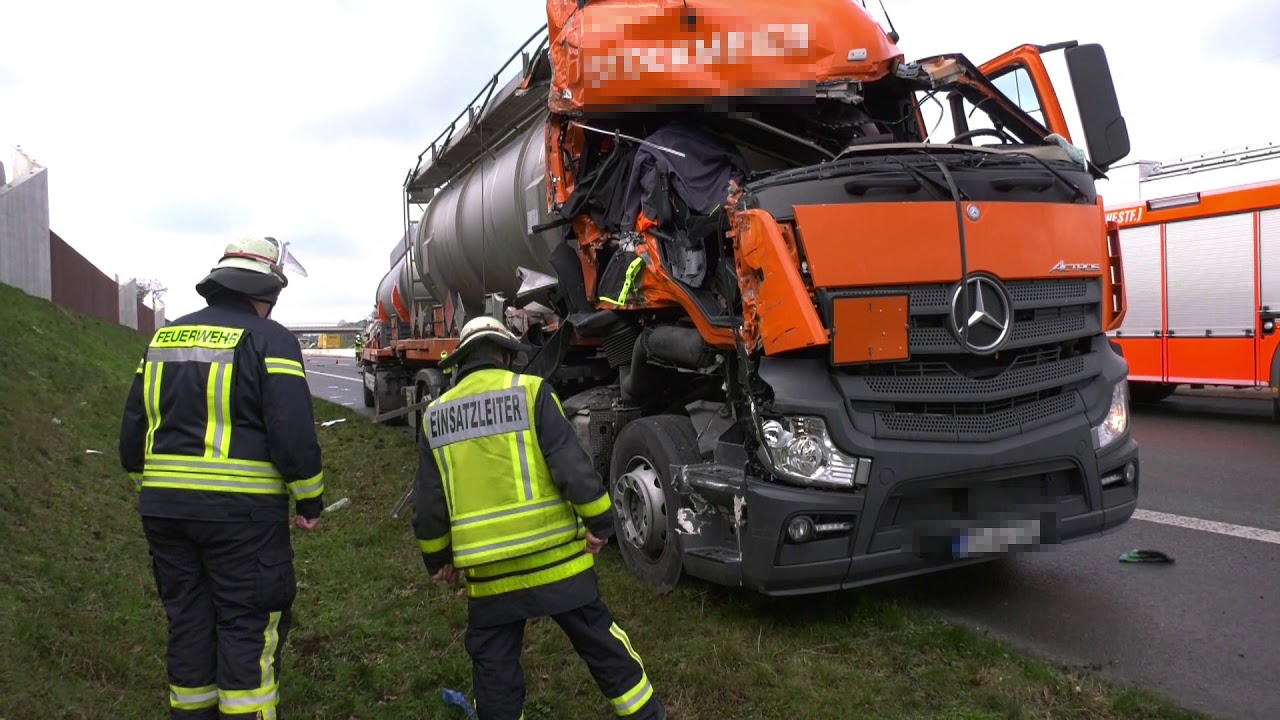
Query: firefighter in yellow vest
(218, 436)
(506, 495)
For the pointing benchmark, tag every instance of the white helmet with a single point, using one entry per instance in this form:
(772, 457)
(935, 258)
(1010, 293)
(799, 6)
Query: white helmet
(484, 329)
(252, 266)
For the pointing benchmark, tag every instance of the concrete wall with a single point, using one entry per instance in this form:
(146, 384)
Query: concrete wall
(129, 304)
(24, 234)
(35, 260)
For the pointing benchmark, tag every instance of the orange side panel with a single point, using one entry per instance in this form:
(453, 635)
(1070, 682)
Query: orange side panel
(1267, 349)
(776, 305)
(869, 329)
(1145, 357)
(426, 349)
(1114, 294)
(401, 309)
(902, 243)
(1223, 201)
(658, 290)
(612, 53)
(1221, 361)
(375, 355)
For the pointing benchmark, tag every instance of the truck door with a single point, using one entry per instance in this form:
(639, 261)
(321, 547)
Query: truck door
(1212, 307)
(1032, 76)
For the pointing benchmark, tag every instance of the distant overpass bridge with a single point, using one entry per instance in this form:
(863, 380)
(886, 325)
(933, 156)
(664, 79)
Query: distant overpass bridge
(320, 328)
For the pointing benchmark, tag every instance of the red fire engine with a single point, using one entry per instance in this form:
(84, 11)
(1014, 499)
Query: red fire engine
(1202, 279)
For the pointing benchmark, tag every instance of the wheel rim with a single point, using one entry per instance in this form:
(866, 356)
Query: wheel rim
(641, 508)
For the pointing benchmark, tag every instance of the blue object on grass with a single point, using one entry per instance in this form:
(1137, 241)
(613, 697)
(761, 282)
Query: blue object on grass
(453, 697)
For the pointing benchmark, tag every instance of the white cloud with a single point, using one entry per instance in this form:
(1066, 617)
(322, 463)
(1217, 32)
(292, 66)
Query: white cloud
(168, 127)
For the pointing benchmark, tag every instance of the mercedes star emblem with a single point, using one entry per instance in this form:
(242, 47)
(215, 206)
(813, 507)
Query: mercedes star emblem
(990, 315)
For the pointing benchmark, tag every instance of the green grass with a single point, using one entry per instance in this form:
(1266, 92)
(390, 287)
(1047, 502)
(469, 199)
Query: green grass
(82, 634)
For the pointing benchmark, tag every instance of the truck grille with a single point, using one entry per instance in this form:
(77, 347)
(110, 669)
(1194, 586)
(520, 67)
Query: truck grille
(985, 421)
(1045, 311)
(943, 392)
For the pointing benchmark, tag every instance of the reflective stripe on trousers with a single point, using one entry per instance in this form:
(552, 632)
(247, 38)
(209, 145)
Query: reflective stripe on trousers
(182, 698)
(266, 696)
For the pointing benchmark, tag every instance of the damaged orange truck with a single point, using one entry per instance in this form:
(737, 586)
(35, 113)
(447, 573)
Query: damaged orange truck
(809, 341)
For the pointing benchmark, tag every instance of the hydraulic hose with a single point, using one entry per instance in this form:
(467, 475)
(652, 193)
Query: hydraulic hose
(682, 347)
(963, 324)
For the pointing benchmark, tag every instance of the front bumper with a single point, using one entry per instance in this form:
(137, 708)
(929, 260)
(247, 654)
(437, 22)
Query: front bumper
(986, 486)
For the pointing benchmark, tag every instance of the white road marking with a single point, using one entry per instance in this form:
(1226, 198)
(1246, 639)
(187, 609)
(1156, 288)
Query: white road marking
(348, 378)
(1221, 528)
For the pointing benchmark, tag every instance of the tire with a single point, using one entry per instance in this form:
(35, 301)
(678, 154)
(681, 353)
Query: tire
(398, 421)
(368, 394)
(646, 533)
(430, 384)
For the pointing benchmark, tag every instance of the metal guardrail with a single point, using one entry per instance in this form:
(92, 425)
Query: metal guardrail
(472, 112)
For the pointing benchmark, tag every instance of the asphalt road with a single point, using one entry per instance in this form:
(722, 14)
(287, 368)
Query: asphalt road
(335, 379)
(1204, 631)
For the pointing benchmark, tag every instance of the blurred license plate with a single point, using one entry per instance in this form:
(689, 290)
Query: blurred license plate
(972, 542)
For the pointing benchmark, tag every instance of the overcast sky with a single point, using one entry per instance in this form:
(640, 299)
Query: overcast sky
(168, 128)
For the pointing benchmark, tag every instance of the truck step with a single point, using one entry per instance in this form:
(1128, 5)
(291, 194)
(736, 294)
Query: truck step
(719, 565)
(721, 555)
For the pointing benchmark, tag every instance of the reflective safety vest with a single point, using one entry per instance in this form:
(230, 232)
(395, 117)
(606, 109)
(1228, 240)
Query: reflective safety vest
(506, 514)
(220, 409)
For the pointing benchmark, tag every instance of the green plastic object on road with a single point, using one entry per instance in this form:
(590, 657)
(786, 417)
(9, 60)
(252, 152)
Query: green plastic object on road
(1145, 556)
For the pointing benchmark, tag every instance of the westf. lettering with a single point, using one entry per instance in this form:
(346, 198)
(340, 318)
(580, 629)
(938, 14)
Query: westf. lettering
(478, 416)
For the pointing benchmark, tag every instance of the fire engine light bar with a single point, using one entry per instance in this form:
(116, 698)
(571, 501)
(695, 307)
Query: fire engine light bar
(1174, 201)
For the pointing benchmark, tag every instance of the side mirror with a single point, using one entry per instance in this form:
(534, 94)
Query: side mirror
(1105, 131)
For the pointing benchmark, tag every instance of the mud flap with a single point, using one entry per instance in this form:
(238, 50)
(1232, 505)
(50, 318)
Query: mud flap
(568, 269)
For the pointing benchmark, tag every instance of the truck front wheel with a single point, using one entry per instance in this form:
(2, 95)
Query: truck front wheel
(644, 503)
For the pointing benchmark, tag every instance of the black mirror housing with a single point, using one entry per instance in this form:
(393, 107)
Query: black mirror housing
(1105, 131)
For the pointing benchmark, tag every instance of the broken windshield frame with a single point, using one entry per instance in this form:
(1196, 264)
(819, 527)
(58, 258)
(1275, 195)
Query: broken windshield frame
(970, 84)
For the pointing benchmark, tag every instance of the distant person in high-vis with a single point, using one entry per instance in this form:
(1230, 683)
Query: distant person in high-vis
(219, 436)
(505, 494)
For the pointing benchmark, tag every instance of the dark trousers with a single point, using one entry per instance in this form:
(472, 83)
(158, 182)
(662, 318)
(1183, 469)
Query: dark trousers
(227, 589)
(498, 678)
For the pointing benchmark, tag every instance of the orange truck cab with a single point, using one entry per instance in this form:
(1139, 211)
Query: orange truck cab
(812, 338)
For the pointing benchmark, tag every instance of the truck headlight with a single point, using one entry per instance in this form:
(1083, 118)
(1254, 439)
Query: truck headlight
(1116, 424)
(800, 450)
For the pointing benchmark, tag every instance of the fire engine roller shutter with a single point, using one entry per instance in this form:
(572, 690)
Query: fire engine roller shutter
(1141, 247)
(1209, 267)
(1269, 225)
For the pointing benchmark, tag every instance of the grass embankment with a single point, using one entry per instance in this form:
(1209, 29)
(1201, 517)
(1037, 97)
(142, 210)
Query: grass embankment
(82, 634)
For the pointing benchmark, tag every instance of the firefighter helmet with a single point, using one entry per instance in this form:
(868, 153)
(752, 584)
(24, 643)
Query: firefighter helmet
(251, 266)
(481, 330)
